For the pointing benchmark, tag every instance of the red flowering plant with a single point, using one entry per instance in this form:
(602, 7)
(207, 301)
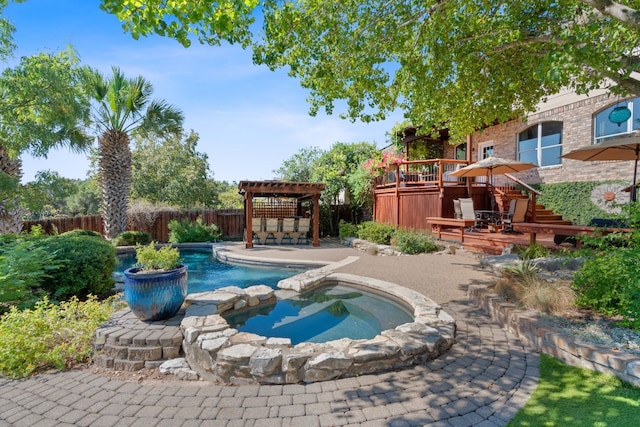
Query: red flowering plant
(376, 166)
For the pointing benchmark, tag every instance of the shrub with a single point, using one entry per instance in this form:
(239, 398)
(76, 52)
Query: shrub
(547, 297)
(80, 232)
(185, 231)
(609, 283)
(142, 215)
(609, 280)
(521, 282)
(414, 242)
(347, 229)
(85, 266)
(531, 251)
(131, 238)
(57, 336)
(376, 232)
(23, 268)
(150, 258)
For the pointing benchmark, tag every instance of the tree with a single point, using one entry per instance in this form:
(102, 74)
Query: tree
(170, 170)
(298, 167)
(462, 64)
(123, 107)
(335, 166)
(228, 196)
(339, 168)
(212, 21)
(42, 106)
(86, 200)
(47, 195)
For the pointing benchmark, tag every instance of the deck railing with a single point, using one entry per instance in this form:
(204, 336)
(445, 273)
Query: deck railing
(532, 191)
(432, 172)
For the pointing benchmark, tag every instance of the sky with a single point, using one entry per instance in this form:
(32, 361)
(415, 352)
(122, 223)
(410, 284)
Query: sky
(249, 119)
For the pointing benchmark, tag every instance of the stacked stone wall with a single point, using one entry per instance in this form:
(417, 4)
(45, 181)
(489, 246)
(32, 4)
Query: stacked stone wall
(544, 337)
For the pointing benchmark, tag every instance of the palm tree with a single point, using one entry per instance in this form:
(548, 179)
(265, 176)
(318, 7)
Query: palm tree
(122, 108)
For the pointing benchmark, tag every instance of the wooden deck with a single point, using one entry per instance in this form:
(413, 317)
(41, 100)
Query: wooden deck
(494, 243)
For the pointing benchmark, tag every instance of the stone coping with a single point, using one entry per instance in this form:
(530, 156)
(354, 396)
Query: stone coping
(220, 353)
(195, 245)
(543, 337)
(227, 256)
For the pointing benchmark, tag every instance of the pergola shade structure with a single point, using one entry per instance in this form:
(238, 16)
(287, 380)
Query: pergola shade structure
(301, 191)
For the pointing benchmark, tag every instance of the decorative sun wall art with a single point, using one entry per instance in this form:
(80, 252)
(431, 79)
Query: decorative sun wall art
(609, 197)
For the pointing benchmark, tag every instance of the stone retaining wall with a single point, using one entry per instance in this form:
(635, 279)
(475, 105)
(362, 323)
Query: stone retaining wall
(543, 337)
(125, 343)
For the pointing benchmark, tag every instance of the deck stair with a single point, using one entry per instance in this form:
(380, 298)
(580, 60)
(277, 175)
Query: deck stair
(542, 214)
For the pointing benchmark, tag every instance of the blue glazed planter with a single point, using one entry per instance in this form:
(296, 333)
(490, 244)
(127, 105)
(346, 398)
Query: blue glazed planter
(155, 295)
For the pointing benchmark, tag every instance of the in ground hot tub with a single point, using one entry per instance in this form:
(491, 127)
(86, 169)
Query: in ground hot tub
(418, 331)
(329, 312)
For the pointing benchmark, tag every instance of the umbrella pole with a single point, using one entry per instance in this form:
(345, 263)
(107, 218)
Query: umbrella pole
(635, 173)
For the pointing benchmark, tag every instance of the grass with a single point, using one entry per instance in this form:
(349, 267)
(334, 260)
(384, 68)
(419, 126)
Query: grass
(571, 396)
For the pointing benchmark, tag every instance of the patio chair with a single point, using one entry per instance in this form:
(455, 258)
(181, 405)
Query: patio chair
(272, 230)
(517, 213)
(257, 230)
(457, 211)
(289, 230)
(468, 212)
(304, 225)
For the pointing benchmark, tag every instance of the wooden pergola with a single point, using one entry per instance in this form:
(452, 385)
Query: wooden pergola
(281, 189)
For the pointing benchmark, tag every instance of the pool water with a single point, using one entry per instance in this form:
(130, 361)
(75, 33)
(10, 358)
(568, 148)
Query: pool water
(207, 274)
(328, 313)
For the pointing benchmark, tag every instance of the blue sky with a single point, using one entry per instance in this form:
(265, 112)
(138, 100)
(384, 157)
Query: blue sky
(249, 119)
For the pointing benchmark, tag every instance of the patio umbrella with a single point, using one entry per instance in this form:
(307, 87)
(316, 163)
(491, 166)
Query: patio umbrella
(490, 166)
(493, 165)
(626, 147)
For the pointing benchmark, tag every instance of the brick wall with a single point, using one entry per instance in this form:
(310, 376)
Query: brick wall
(577, 132)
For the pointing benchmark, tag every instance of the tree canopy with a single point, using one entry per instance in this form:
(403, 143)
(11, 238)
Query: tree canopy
(42, 105)
(298, 167)
(170, 170)
(462, 64)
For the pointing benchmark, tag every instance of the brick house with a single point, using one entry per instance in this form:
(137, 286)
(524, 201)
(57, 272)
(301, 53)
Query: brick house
(569, 122)
(422, 187)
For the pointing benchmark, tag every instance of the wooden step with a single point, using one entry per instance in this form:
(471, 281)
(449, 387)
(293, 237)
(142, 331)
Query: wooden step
(547, 217)
(554, 221)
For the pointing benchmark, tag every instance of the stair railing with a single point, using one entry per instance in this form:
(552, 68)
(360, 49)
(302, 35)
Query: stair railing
(530, 189)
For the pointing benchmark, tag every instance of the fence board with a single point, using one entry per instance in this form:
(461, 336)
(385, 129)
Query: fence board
(230, 221)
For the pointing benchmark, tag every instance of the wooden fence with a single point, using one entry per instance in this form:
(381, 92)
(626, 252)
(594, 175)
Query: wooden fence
(230, 221)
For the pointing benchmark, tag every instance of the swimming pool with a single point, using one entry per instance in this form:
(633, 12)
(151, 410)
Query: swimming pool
(328, 313)
(207, 273)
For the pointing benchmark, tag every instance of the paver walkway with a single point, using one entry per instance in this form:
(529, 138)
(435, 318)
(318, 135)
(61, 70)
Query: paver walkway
(483, 380)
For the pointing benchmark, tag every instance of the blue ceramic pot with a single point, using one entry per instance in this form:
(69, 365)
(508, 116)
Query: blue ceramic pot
(155, 295)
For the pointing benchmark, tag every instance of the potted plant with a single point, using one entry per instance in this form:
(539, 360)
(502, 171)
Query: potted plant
(156, 286)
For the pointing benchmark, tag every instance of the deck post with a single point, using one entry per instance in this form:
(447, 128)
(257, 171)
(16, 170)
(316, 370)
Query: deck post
(397, 195)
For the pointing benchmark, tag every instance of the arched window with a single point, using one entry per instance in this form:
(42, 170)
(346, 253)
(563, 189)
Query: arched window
(461, 152)
(541, 144)
(605, 128)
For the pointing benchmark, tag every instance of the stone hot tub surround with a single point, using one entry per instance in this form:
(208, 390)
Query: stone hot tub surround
(220, 353)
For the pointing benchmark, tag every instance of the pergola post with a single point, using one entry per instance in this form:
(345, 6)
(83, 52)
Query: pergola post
(249, 220)
(316, 220)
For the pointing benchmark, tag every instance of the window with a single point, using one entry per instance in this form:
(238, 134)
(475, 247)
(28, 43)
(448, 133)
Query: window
(604, 128)
(541, 144)
(461, 152)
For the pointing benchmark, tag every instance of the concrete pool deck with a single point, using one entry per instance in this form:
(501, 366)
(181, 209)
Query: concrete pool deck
(483, 380)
